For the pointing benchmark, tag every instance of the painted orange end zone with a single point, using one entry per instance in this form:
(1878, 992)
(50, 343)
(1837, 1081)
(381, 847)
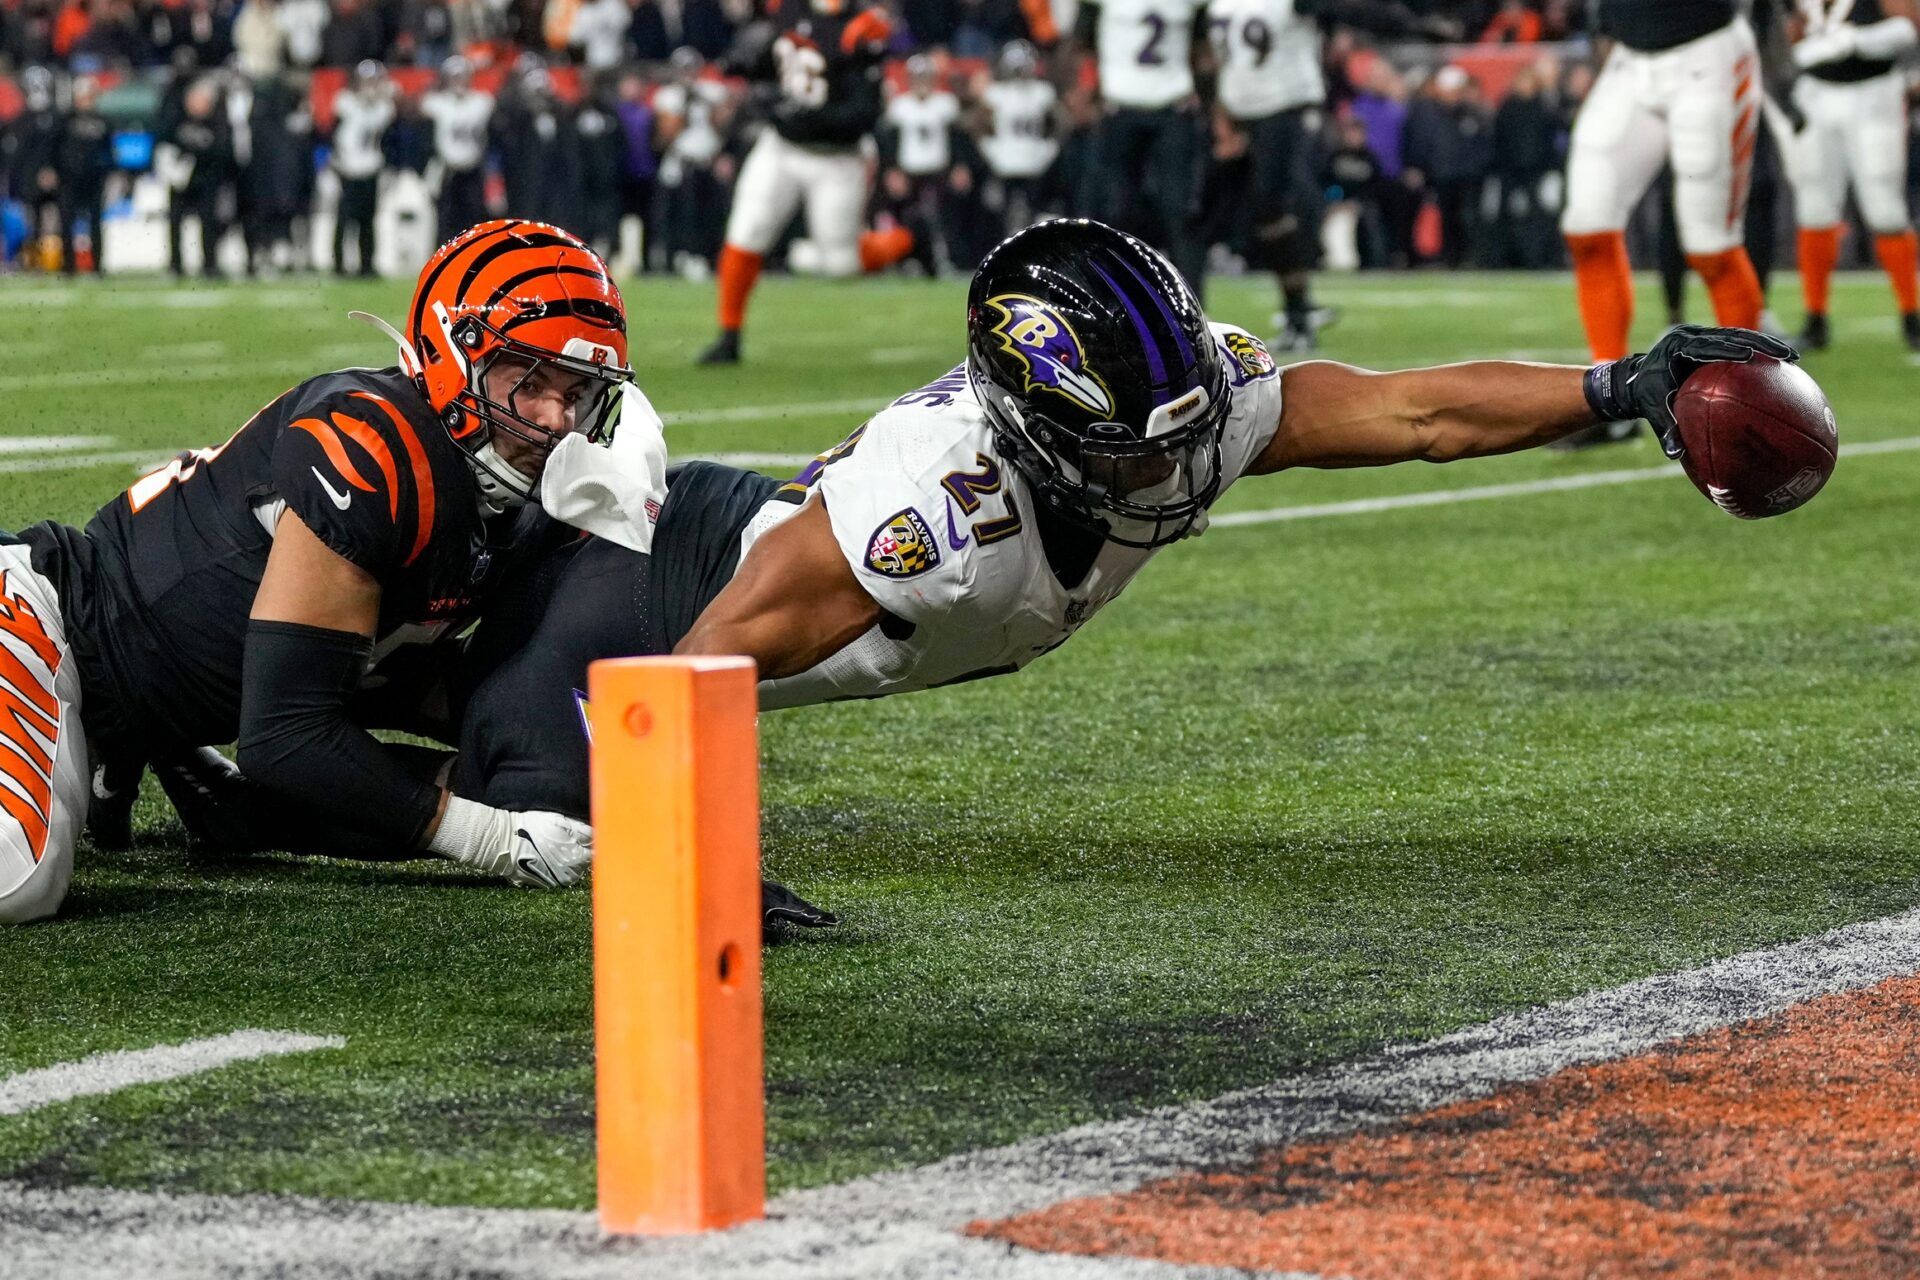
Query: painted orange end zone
(1789, 1146)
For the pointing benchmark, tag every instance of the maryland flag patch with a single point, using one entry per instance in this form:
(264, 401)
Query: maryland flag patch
(903, 546)
(1250, 354)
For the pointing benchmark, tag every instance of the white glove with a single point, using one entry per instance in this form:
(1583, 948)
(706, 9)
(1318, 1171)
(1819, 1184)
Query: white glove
(1824, 47)
(531, 848)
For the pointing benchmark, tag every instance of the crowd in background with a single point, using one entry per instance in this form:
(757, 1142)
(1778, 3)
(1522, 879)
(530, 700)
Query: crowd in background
(599, 113)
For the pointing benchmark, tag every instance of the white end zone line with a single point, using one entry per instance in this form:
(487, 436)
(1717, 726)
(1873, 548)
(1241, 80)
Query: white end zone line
(903, 1225)
(125, 1068)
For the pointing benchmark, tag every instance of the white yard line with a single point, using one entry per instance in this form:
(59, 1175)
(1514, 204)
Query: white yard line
(901, 1225)
(772, 412)
(144, 459)
(1518, 489)
(46, 444)
(124, 1068)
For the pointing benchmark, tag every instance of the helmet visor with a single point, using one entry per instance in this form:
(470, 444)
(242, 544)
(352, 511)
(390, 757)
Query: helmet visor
(530, 399)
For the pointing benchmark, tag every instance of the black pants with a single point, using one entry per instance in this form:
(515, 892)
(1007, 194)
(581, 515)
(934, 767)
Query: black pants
(1284, 201)
(202, 205)
(463, 201)
(1154, 162)
(77, 205)
(358, 197)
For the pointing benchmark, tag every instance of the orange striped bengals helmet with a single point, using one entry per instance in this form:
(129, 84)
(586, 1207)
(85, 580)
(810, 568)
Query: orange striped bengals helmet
(531, 293)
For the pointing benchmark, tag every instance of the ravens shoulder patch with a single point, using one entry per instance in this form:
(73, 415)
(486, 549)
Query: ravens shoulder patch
(903, 546)
(1251, 355)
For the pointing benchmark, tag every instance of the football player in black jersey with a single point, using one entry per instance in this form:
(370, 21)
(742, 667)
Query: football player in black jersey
(1854, 98)
(823, 63)
(241, 593)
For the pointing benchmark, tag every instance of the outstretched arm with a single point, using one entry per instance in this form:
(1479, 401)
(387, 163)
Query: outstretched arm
(793, 602)
(1334, 415)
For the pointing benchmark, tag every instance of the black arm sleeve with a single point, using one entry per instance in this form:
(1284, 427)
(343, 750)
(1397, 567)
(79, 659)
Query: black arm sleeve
(295, 737)
(1086, 24)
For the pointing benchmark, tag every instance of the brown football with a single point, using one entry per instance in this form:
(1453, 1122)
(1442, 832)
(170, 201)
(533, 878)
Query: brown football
(1760, 436)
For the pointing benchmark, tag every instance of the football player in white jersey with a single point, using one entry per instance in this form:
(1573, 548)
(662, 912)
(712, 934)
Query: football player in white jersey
(980, 521)
(1854, 99)
(459, 113)
(1017, 129)
(362, 113)
(1152, 138)
(1682, 83)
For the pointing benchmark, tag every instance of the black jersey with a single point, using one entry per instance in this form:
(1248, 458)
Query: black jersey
(157, 591)
(828, 69)
(1652, 25)
(1852, 68)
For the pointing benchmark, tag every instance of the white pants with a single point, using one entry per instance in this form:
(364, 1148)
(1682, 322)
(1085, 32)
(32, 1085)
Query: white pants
(43, 752)
(1697, 105)
(1855, 133)
(777, 177)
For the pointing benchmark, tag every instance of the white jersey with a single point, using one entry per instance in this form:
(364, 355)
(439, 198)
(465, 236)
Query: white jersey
(1021, 144)
(360, 121)
(459, 127)
(304, 22)
(1269, 57)
(925, 130)
(937, 527)
(698, 143)
(1145, 51)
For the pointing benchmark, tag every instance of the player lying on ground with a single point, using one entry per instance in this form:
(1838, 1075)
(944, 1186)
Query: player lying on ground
(243, 592)
(979, 521)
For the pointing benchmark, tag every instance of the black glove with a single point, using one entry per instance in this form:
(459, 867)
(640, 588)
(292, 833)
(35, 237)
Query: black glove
(1644, 386)
(780, 905)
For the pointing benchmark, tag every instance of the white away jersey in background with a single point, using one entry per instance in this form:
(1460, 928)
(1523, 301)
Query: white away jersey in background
(1021, 144)
(1269, 57)
(925, 127)
(360, 122)
(459, 126)
(938, 528)
(1145, 51)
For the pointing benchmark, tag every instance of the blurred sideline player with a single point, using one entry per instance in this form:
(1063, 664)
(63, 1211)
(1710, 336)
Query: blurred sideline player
(918, 154)
(1017, 129)
(1855, 103)
(1682, 83)
(824, 62)
(1271, 90)
(981, 520)
(247, 591)
(1152, 140)
(460, 114)
(362, 113)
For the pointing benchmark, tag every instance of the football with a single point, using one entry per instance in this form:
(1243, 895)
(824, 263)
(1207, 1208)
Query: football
(1760, 437)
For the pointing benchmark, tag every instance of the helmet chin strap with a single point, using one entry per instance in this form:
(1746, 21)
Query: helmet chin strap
(494, 493)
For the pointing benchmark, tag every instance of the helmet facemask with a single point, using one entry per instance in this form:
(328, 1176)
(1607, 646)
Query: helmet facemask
(484, 415)
(1139, 487)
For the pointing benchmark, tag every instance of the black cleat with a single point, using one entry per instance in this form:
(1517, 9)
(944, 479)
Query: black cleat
(213, 798)
(782, 909)
(116, 786)
(1910, 329)
(1598, 434)
(725, 349)
(1814, 334)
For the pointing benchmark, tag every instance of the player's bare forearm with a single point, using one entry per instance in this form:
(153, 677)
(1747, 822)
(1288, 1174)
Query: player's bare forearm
(1334, 415)
(793, 603)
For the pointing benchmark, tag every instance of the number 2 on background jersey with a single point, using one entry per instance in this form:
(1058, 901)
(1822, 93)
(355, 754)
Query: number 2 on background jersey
(1150, 55)
(968, 488)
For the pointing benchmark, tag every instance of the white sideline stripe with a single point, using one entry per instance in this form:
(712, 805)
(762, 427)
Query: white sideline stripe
(1518, 489)
(44, 444)
(900, 1226)
(1118, 1156)
(145, 459)
(124, 1068)
(753, 460)
(771, 412)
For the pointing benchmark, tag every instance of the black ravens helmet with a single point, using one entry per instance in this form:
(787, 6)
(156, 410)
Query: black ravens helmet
(1100, 378)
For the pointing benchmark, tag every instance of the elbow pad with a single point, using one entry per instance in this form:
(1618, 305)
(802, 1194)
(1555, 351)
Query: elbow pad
(296, 738)
(1887, 38)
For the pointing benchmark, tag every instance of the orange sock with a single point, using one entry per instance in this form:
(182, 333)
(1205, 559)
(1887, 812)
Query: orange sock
(1819, 250)
(1899, 253)
(1733, 285)
(881, 249)
(738, 270)
(1603, 280)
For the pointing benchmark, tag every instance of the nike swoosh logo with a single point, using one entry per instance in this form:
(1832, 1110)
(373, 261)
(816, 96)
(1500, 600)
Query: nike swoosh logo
(954, 539)
(532, 864)
(340, 499)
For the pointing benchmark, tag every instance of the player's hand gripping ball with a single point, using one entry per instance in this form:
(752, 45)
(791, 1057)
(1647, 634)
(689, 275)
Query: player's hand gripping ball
(1752, 430)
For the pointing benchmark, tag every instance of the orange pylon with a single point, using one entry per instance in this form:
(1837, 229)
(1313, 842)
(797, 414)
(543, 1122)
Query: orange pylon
(676, 943)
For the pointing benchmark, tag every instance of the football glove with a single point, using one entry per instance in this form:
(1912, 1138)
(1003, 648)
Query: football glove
(1644, 386)
(781, 907)
(530, 848)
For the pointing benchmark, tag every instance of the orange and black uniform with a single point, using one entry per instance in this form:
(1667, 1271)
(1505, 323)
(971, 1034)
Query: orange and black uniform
(156, 592)
(852, 46)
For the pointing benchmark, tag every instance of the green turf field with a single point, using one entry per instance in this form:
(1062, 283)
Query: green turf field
(1311, 787)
